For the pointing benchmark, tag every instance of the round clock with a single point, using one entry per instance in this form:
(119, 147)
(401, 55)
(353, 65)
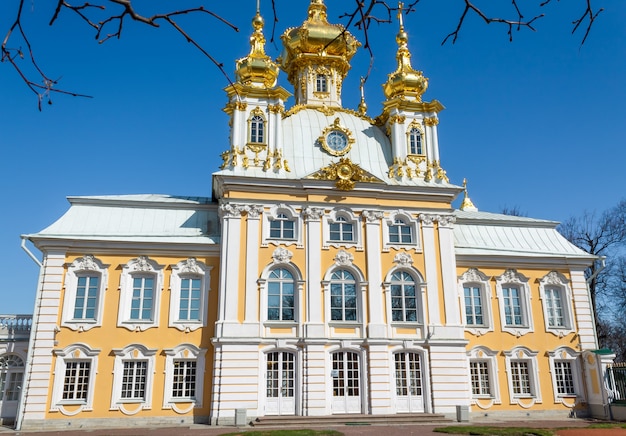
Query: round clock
(335, 139)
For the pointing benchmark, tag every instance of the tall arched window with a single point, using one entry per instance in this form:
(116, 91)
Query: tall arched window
(415, 141)
(321, 83)
(343, 297)
(281, 295)
(404, 307)
(257, 129)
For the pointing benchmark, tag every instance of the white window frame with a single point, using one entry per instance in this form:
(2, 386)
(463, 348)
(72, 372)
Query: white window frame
(73, 353)
(420, 296)
(136, 353)
(331, 218)
(190, 268)
(139, 267)
(271, 215)
(523, 354)
(321, 83)
(409, 132)
(11, 377)
(254, 113)
(343, 261)
(475, 278)
(490, 357)
(409, 221)
(511, 278)
(187, 352)
(566, 354)
(87, 265)
(557, 281)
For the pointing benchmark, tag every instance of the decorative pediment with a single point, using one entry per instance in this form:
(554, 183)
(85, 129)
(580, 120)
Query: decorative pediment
(346, 173)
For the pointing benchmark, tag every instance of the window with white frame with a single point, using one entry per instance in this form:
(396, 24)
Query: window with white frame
(514, 301)
(483, 368)
(85, 284)
(141, 285)
(556, 298)
(343, 296)
(184, 377)
(415, 141)
(341, 228)
(321, 83)
(133, 377)
(257, 129)
(405, 298)
(190, 285)
(476, 301)
(400, 231)
(281, 299)
(281, 225)
(566, 374)
(74, 378)
(523, 377)
(11, 377)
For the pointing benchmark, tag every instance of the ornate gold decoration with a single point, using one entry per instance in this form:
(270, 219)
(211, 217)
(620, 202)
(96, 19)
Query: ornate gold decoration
(428, 176)
(440, 173)
(276, 108)
(431, 121)
(400, 119)
(467, 203)
(336, 127)
(327, 111)
(321, 95)
(345, 172)
(257, 69)
(405, 81)
(362, 105)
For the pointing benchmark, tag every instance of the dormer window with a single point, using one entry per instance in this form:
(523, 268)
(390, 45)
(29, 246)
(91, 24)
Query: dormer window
(415, 142)
(321, 83)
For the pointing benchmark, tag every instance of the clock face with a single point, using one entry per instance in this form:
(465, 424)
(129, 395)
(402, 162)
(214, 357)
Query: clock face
(337, 141)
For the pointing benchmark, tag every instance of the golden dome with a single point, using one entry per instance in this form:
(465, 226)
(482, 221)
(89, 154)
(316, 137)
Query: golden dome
(405, 80)
(257, 69)
(316, 38)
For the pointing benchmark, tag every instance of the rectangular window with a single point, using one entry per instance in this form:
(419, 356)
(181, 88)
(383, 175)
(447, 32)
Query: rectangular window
(190, 299)
(473, 306)
(341, 231)
(134, 379)
(479, 373)
(184, 383)
(282, 228)
(520, 378)
(76, 381)
(143, 299)
(564, 377)
(86, 297)
(513, 306)
(554, 305)
(400, 233)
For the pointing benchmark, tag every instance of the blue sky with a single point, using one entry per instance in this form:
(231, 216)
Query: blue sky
(535, 123)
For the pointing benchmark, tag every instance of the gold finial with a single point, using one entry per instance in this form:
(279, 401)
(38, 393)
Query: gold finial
(400, 7)
(362, 105)
(467, 203)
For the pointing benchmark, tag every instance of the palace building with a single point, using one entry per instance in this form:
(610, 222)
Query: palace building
(327, 273)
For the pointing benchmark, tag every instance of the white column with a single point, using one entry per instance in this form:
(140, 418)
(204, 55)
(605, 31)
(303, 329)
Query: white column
(236, 127)
(435, 139)
(430, 264)
(448, 275)
(252, 266)
(228, 292)
(583, 312)
(314, 325)
(376, 327)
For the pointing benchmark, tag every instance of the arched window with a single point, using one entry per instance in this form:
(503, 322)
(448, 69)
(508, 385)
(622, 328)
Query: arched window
(11, 376)
(257, 129)
(280, 295)
(321, 83)
(404, 307)
(415, 141)
(400, 232)
(282, 227)
(343, 297)
(341, 230)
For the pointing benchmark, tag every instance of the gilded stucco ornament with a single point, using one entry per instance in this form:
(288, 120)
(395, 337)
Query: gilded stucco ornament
(336, 139)
(345, 172)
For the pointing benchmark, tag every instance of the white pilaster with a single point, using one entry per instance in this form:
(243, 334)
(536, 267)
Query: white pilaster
(430, 263)
(376, 327)
(253, 231)
(448, 273)
(583, 312)
(314, 326)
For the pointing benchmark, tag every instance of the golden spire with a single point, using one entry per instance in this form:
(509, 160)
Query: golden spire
(467, 203)
(257, 69)
(362, 105)
(405, 80)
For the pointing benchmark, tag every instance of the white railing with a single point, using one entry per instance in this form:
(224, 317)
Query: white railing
(15, 326)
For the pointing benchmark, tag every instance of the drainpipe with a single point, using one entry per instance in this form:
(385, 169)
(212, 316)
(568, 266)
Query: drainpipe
(31, 340)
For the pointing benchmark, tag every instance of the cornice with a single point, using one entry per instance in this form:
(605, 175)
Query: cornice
(248, 91)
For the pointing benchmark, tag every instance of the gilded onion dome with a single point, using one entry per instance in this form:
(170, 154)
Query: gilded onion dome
(257, 69)
(405, 80)
(316, 38)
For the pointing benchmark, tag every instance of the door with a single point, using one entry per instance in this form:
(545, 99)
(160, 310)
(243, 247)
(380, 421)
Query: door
(346, 383)
(280, 390)
(11, 376)
(409, 390)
